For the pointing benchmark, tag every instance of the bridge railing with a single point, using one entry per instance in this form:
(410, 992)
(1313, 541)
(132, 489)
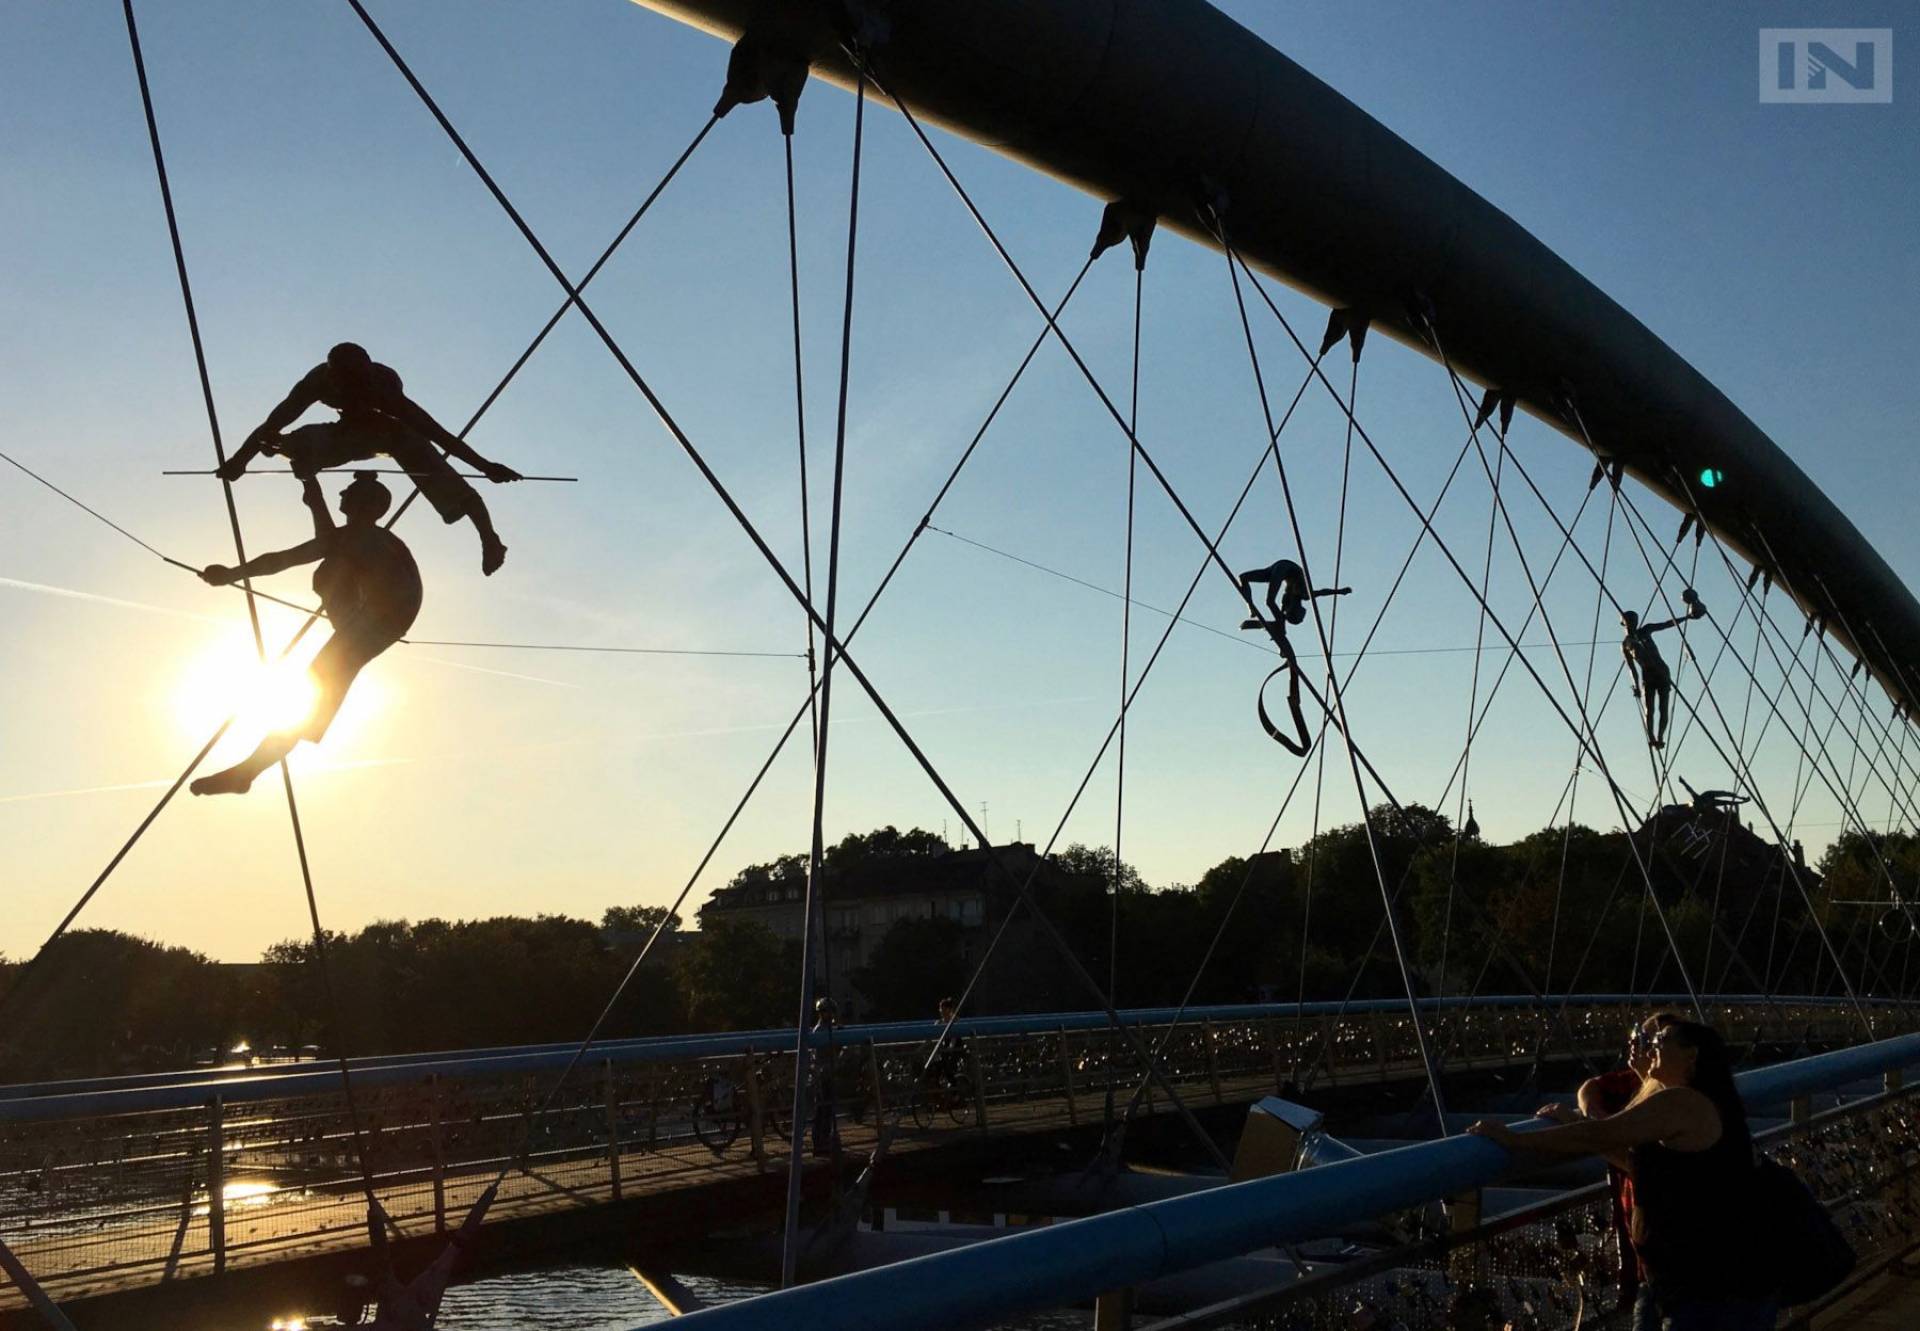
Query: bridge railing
(1556, 1265)
(1502, 1274)
(106, 1185)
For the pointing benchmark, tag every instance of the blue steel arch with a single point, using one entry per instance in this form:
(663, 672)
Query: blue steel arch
(1144, 99)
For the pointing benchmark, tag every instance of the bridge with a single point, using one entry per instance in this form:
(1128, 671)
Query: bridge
(203, 1187)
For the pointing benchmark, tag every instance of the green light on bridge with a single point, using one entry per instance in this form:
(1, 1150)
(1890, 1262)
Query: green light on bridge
(1711, 476)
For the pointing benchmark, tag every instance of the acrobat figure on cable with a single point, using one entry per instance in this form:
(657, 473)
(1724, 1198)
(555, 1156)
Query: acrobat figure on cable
(1652, 681)
(369, 588)
(375, 417)
(1287, 597)
(1713, 801)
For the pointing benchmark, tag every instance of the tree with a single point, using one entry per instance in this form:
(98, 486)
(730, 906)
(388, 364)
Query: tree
(886, 843)
(915, 964)
(1096, 862)
(737, 975)
(638, 919)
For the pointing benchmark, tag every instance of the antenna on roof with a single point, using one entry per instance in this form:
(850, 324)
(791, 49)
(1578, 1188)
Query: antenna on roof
(986, 829)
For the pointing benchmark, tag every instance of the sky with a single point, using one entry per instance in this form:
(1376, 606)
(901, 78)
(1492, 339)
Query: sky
(1771, 245)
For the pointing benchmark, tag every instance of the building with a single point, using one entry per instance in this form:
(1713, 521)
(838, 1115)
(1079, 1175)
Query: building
(862, 900)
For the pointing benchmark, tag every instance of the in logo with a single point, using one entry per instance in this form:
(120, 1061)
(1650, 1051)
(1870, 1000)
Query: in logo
(1826, 64)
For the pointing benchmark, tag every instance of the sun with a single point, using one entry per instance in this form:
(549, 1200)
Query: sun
(227, 679)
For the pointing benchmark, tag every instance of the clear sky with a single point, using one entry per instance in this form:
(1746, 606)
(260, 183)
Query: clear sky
(1771, 245)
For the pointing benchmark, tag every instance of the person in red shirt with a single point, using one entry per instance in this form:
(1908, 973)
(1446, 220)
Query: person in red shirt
(1602, 1097)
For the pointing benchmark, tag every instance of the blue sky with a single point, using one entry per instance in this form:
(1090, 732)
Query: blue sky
(1771, 245)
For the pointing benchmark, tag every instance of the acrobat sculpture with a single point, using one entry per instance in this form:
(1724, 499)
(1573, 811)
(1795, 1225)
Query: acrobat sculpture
(369, 588)
(1652, 681)
(375, 417)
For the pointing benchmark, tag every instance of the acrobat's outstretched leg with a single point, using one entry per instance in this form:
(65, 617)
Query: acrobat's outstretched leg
(238, 779)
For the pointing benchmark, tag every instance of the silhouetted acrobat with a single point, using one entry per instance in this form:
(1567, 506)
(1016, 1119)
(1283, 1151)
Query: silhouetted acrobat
(1652, 682)
(1287, 597)
(375, 417)
(370, 588)
(1713, 801)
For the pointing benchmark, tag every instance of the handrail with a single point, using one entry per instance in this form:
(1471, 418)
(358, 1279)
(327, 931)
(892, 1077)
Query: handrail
(1078, 1260)
(142, 1092)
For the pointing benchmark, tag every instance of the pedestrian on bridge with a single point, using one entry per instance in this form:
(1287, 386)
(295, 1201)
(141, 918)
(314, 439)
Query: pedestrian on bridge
(1683, 1141)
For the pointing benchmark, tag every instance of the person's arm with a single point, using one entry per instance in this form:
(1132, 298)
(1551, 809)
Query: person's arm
(301, 396)
(1660, 626)
(316, 503)
(1633, 670)
(1665, 1114)
(278, 561)
(404, 408)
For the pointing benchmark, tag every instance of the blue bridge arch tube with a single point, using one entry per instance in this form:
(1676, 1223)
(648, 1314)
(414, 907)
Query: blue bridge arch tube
(1078, 1260)
(1146, 99)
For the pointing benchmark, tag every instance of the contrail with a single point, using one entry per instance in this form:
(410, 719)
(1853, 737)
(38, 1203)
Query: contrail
(74, 595)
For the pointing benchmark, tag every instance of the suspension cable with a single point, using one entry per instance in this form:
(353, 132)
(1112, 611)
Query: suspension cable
(806, 705)
(1338, 711)
(253, 612)
(1586, 697)
(1473, 697)
(1126, 642)
(1743, 772)
(790, 1234)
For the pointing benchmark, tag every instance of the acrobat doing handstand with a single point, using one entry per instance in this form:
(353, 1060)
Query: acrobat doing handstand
(1652, 681)
(369, 588)
(1286, 599)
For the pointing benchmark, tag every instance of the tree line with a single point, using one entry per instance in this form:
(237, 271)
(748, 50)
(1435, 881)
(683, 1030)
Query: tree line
(1563, 910)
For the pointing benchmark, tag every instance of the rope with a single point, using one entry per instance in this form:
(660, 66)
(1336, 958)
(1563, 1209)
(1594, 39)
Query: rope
(253, 613)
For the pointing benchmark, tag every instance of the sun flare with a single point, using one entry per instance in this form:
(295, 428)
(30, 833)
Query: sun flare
(227, 679)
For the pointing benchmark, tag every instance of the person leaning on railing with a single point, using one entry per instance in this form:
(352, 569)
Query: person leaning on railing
(1684, 1143)
(1606, 1095)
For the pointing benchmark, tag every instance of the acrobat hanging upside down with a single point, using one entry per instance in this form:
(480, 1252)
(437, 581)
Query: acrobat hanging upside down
(1287, 597)
(369, 588)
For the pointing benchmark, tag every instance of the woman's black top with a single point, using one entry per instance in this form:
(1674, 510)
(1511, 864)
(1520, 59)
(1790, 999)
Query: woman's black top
(1692, 1219)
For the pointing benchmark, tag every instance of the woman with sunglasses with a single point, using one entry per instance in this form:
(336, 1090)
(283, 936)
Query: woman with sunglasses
(1685, 1145)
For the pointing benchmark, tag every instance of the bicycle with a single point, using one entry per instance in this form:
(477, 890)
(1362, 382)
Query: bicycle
(948, 1094)
(720, 1113)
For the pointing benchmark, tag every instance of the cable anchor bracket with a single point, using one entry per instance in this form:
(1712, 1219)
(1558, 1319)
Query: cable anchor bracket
(1126, 220)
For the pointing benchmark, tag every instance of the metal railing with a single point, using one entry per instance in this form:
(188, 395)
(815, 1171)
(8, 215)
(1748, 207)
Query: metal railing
(988, 1283)
(112, 1183)
(1556, 1265)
